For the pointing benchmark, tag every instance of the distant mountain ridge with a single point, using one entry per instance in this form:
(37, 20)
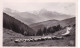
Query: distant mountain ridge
(35, 17)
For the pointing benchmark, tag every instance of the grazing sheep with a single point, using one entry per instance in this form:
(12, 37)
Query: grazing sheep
(53, 37)
(31, 40)
(36, 39)
(49, 38)
(43, 38)
(46, 37)
(17, 41)
(27, 40)
(39, 39)
(59, 37)
(21, 40)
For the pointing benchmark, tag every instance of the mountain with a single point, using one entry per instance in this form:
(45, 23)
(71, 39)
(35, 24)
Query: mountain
(50, 23)
(43, 24)
(36, 16)
(25, 17)
(29, 18)
(16, 25)
(15, 14)
(66, 22)
(53, 15)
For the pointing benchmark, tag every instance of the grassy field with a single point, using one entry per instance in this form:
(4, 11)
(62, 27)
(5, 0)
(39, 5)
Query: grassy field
(9, 37)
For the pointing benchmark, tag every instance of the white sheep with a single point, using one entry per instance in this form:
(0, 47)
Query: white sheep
(39, 39)
(31, 40)
(36, 39)
(17, 40)
(49, 38)
(43, 38)
(27, 40)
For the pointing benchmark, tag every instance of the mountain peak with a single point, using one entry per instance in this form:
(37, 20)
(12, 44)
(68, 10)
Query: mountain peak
(43, 10)
(8, 10)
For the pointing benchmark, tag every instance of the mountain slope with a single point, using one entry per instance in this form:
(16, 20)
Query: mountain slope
(67, 41)
(9, 33)
(66, 22)
(17, 26)
(25, 17)
(43, 24)
(50, 23)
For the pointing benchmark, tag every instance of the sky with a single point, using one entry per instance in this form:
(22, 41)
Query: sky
(23, 6)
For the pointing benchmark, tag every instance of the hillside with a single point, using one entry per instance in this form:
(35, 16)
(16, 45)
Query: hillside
(9, 36)
(66, 22)
(66, 42)
(43, 24)
(17, 26)
(9, 33)
(50, 23)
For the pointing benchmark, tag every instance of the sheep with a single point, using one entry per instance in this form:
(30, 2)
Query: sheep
(53, 37)
(31, 40)
(43, 38)
(27, 40)
(21, 40)
(17, 41)
(59, 37)
(39, 39)
(36, 39)
(49, 38)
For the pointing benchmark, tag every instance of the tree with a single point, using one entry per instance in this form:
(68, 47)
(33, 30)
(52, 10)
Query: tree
(50, 30)
(55, 28)
(58, 27)
(25, 33)
(39, 32)
(44, 30)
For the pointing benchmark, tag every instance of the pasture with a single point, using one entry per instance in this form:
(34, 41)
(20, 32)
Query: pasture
(64, 42)
(9, 36)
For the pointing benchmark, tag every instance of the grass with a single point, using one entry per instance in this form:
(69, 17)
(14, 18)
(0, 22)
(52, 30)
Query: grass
(9, 40)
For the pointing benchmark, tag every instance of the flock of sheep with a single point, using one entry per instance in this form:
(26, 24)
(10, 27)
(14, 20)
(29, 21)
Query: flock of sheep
(38, 39)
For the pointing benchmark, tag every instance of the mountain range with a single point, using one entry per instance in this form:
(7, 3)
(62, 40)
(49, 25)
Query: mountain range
(41, 19)
(37, 16)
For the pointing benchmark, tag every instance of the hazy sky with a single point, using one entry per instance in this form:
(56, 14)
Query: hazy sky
(66, 8)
